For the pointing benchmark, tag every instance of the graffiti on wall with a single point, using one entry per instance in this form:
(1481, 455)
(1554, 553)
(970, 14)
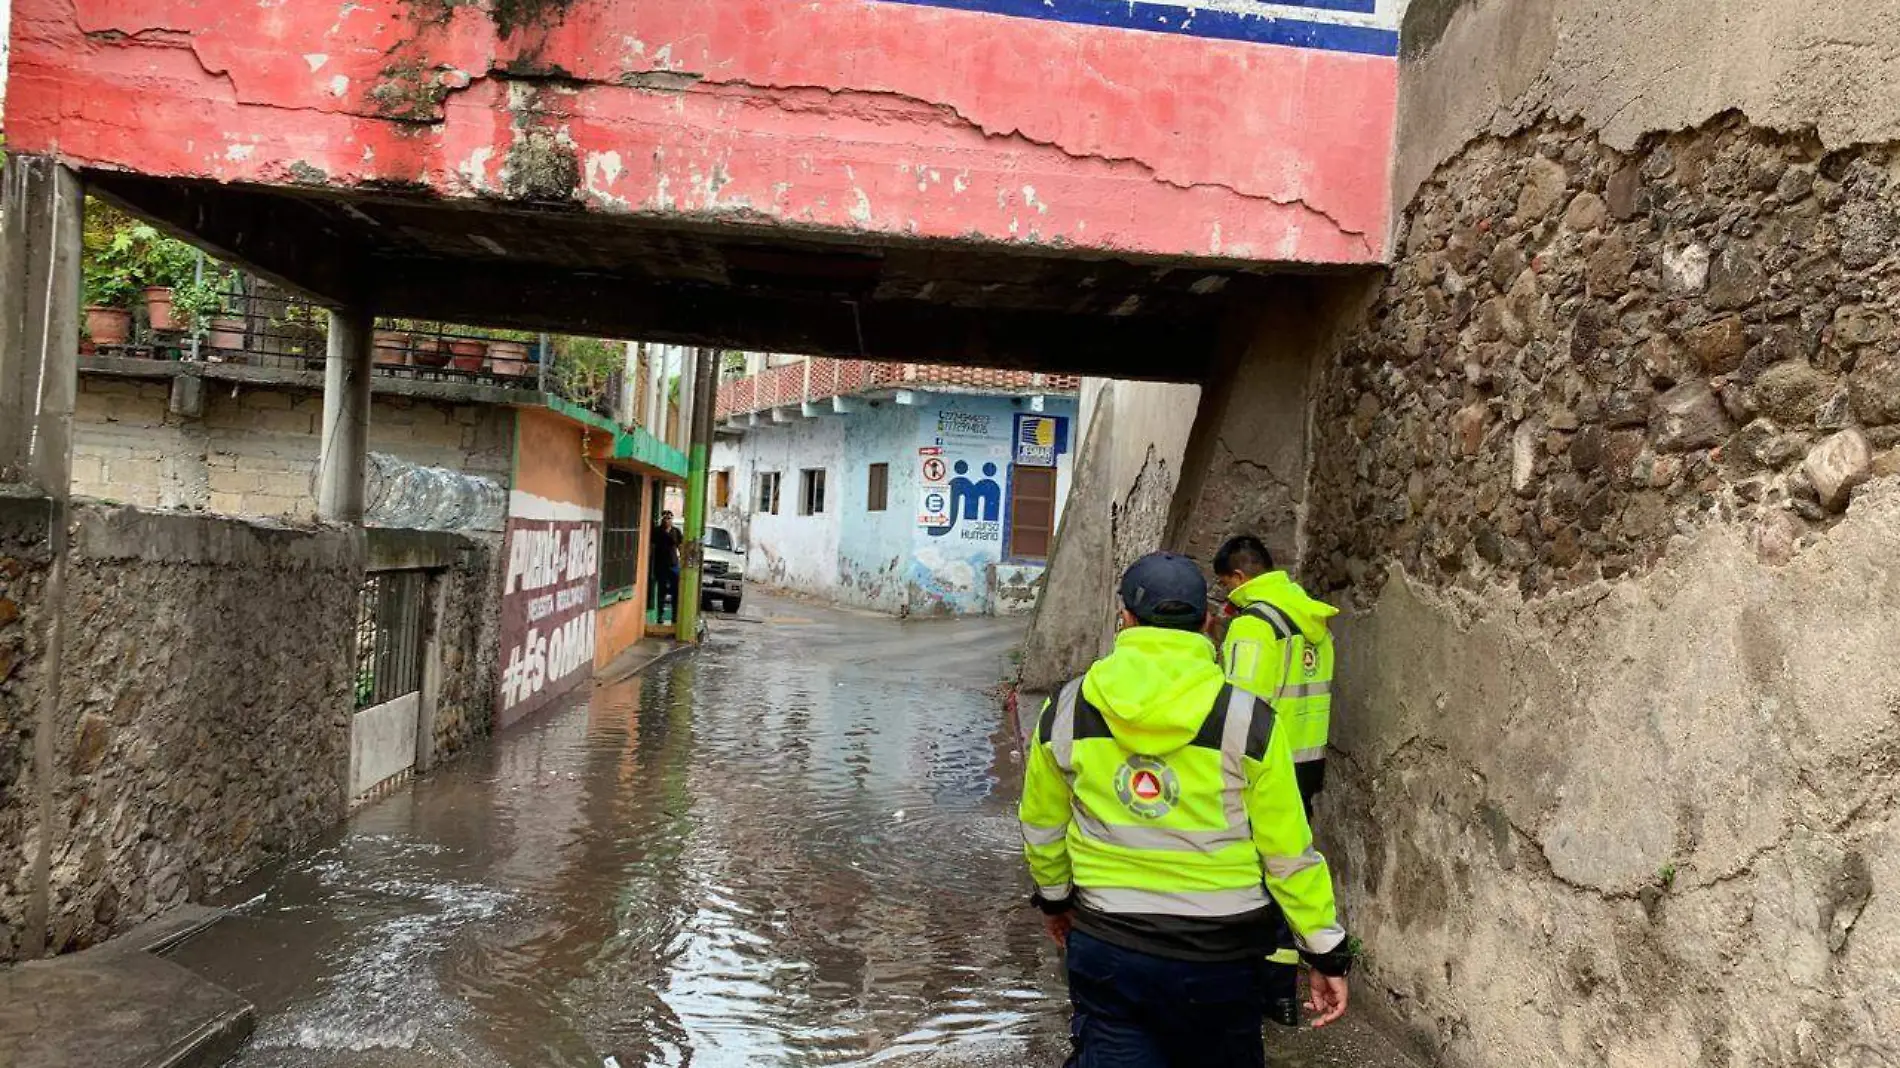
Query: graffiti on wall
(548, 599)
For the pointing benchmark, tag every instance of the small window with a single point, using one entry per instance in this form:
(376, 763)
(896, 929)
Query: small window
(811, 491)
(878, 493)
(1032, 512)
(765, 496)
(620, 536)
(722, 488)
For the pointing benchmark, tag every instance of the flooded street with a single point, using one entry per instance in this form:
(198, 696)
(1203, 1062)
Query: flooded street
(794, 847)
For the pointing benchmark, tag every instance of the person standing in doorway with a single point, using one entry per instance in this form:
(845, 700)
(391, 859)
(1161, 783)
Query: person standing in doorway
(1279, 647)
(665, 565)
(1161, 821)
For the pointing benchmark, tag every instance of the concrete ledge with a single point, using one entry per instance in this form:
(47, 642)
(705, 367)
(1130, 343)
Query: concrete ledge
(307, 381)
(391, 549)
(25, 517)
(115, 532)
(113, 1009)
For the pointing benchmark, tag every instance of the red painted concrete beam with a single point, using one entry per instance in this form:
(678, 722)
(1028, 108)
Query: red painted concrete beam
(853, 116)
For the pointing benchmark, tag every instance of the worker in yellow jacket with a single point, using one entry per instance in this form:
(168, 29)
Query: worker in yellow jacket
(1279, 647)
(1160, 813)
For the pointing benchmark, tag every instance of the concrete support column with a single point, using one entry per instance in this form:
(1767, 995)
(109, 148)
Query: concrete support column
(696, 382)
(39, 322)
(40, 246)
(344, 455)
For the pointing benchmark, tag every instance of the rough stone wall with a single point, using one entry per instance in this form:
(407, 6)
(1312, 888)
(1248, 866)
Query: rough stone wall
(255, 453)
(470, 644)
(1604, 472)
(1585, 353)
(23, 566)
(203, 729)
(1130, 437)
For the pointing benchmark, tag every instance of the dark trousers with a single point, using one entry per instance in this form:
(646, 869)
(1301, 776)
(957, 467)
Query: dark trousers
(666, 587)
(1135, 1010)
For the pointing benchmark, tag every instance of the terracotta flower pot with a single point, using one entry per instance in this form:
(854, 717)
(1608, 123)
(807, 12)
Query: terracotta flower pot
(108, 326)
(158, 308)
(226, 334)
(429, 352)
(508, 357)
(392, 348)
(467, 354)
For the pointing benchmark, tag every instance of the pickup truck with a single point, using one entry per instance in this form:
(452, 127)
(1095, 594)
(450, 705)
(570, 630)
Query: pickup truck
(723, 578)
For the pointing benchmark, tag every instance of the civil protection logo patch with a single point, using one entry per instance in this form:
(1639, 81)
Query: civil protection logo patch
(1309, 660)
(1147, 787)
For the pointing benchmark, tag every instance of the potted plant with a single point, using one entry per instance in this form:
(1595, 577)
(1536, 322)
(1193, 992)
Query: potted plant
(467, 353)
(108, 307)
(429, 348)
(392, 347)
(506, 356)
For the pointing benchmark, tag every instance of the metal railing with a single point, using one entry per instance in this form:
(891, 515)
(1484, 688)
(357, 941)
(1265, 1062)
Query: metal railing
(268, 330)
(389, 636)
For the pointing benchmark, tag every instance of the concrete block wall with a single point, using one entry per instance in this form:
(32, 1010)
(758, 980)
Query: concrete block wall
(254, 452)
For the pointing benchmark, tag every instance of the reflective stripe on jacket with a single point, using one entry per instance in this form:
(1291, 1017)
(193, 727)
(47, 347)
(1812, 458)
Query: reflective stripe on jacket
(1170, 820)
(1284, 653)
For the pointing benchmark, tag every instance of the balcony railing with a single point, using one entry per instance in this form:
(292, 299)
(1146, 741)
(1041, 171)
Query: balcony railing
(821, 378)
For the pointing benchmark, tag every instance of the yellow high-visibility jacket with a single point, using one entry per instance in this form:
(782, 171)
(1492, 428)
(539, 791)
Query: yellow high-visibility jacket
(1279, 647)
(1162, 802)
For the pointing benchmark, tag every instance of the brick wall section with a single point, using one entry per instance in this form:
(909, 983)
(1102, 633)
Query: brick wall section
(254, 453)
(792, 383)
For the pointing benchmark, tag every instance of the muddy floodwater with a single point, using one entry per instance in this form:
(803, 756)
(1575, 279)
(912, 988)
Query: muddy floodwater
(795, 846)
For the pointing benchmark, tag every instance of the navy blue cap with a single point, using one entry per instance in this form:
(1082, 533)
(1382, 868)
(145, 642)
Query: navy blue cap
(1165, 589)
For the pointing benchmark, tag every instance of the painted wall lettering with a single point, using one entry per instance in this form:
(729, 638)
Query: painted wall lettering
(548, 600)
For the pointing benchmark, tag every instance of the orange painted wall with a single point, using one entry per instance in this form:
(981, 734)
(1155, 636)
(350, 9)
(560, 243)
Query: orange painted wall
(550, 461)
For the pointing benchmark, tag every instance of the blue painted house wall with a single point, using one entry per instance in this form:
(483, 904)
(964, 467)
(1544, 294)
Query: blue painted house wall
(940, 545)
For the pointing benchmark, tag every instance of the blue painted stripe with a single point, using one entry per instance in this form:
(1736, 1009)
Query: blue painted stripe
(1357, 7)
(1167, 18)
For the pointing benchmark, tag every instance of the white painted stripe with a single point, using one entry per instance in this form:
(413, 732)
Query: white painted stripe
(525, 505)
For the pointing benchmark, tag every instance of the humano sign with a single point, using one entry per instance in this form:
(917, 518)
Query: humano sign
(549, 593)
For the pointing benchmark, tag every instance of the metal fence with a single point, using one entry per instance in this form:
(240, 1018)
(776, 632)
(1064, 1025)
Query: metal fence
(268, 329)
(389, 636)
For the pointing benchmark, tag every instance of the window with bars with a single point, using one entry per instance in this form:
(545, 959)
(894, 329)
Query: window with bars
(765, 492)
(1032, 512)
(811, 491)
(620, 536)
(877, 492)
(389, 636)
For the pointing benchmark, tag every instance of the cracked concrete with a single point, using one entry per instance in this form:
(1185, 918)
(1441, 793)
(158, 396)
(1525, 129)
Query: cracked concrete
(1619, 740)
(410, 96)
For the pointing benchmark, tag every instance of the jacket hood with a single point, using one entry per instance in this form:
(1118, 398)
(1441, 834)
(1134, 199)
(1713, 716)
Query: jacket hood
(1156, 688)
(1278, 589)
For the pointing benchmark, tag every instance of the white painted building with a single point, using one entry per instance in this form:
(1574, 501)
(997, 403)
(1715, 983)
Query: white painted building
(937, 497)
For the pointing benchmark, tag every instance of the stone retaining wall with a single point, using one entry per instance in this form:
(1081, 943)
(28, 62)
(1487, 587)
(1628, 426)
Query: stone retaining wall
(203, 725)
(1585, 353)
(1602, 473)
(24, 558)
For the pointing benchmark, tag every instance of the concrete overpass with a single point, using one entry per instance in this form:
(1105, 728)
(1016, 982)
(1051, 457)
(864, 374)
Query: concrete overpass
(1080, 185)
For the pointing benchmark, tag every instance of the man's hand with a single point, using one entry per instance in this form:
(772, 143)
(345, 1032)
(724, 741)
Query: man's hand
(1058, 927)
(1326, 998)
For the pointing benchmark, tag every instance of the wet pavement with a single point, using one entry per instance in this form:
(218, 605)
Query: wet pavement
(793, 847)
